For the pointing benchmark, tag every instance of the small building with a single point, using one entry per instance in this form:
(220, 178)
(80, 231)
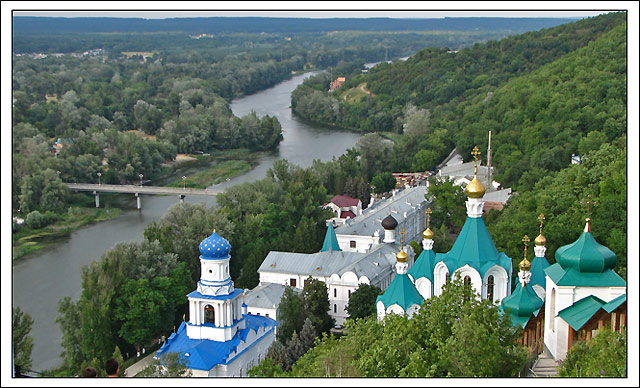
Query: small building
(344, 207)
(579, 285)
(335, 84)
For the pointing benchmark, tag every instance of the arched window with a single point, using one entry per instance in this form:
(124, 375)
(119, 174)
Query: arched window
(335, 292)
(209, 314)
(335, 308)
(467, 287)
(490, 287)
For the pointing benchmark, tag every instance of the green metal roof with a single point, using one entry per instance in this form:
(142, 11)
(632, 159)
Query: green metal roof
(581, 311)
(614, 304)
(521, 304)
(330, 240)
(474, 246)
(586, 255)
(402, 292)
(573, 277)
(538, 265)
(423, 267)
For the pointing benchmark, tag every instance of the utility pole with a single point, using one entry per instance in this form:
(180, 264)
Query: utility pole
(489, 179)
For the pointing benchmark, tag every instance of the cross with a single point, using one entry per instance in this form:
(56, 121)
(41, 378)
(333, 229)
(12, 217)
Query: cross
(541, 219)
(526, 241)
(402, 232)
(475, 153)
(428, 216)
(588, 204)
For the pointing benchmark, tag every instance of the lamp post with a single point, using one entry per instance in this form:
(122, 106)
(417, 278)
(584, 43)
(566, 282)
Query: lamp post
(99, 175)
(184, 183)
(140, 175)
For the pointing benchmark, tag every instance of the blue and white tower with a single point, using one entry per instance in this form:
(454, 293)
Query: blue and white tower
(220, 339)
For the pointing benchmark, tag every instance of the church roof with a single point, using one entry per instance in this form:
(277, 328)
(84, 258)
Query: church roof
(214, 247)
(367, 223)
(265, 295)
(581, 311)
(423, 267)
(474, 246)
(586, 255)
(402, 292)
(330, 240)
(538, 265)
(372, 264)
(196, 294)
(521, 304)
(204, 354)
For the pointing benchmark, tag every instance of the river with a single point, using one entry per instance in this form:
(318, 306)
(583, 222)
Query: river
(41, 279)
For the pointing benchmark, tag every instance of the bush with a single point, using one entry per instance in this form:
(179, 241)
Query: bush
(35, 220)
(604, 355)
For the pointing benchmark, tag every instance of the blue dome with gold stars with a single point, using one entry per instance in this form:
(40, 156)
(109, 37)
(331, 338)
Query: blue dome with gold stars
(214, 247)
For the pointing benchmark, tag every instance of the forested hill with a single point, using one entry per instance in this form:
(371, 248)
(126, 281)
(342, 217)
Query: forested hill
(216, 25)
(540, 93)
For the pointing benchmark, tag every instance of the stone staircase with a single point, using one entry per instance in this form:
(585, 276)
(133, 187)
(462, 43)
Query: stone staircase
(545, 366)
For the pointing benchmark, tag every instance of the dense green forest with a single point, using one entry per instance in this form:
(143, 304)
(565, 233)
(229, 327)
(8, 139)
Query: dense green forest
(539, 92)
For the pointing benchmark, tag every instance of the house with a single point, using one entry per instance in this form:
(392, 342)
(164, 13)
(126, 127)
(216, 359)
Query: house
(344, 207)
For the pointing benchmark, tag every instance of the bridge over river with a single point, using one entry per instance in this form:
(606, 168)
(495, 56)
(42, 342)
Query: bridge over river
(96, 189)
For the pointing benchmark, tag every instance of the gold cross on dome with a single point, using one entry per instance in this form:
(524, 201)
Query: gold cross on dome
(402, 233)
(541, 218)
(428, 216)
(526, 241)
(475, 153)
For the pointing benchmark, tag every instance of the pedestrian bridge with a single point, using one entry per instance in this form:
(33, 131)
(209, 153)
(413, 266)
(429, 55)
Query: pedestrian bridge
(96, 189)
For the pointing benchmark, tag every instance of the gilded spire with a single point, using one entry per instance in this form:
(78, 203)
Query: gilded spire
(428, 234)
(540, 240)
(525, 265)
(402, 256)
(475, 188)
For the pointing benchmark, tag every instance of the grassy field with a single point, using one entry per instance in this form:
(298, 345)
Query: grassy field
(27, 240)
(213, 175)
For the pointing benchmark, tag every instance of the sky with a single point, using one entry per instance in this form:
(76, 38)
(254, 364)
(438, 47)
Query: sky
(313, 9)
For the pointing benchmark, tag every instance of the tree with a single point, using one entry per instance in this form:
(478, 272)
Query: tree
(70, 316)
(362, 301)
(22, 342)
(448, 203)
(605, 355)
(167, 365)
(315, 303)
(383, 182)
(291, 317)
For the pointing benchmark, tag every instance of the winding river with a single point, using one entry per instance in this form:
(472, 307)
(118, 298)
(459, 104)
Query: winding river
(41, 279)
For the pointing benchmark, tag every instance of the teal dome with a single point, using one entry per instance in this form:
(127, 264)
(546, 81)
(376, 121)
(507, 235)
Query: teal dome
(586, 255)
(522, 303)
(214, 247)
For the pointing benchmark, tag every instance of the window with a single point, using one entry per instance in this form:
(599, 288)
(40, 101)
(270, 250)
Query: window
(352, 244)
(292, 282)
(349, 293)
(448, 278)
(266, 315)
(335, 292)
(467, 287)
(490, 287)
(209, 314)
(335, 308)
(552, 316)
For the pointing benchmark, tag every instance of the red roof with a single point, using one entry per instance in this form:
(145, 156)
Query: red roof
(344, 201)
(347, 213)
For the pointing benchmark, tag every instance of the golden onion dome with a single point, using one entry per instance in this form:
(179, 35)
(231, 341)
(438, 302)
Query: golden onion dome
(475, 188)
(427, 234)
(402, 256)
(525, 265)
(540, 240)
